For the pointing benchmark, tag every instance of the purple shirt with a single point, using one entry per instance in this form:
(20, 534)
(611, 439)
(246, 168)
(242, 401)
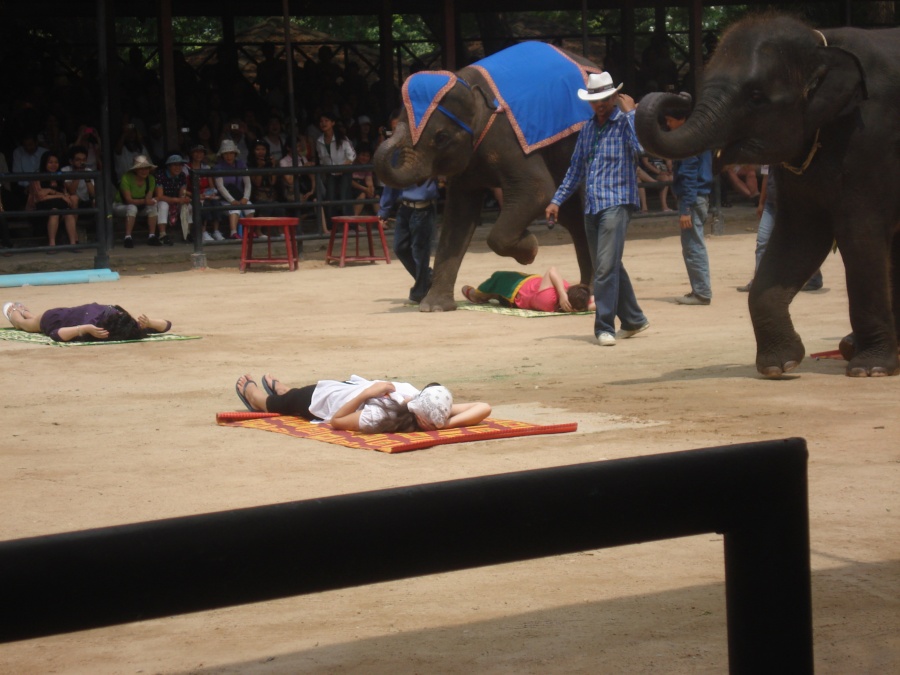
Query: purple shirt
(62, 317)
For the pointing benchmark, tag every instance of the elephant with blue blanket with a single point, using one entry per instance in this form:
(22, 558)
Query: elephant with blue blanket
(507, 121)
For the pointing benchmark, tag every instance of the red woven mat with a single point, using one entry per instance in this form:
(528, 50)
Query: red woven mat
(833, 354)
(391, 443)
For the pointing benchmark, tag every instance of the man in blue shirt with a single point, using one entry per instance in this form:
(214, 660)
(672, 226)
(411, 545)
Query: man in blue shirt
(413, 230)
(605, 159)
(693, 181)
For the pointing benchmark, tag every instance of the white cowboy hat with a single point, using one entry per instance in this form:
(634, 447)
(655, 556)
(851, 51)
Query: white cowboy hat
(599, 87)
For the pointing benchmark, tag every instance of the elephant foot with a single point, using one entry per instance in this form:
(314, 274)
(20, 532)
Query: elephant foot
(870, 365)
(437, 302)
(775, 363)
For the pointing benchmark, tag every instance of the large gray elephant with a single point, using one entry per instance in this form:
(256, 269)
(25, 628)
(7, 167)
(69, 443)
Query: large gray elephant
(823, 109)
(470, 129)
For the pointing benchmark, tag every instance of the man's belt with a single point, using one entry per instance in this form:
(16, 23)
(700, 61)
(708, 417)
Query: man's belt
(417, 205)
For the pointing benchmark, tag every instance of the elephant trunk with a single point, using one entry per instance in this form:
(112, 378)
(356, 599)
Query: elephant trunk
(397, 164)
(703, 130)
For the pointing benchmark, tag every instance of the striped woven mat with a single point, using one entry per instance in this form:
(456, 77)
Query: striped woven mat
(389, 443)
(14, 335)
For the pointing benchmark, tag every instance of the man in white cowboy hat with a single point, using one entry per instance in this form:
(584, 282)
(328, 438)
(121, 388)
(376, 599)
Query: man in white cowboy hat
(605, 159)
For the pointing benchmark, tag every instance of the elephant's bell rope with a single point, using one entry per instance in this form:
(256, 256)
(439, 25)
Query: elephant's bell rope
(812, 153)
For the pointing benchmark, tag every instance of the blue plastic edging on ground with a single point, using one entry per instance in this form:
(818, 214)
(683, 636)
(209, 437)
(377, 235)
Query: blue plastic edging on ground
(56, 278)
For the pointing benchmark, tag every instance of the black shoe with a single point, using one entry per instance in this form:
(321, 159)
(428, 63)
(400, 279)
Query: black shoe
(129, 242)
(167, 240)
(812, 286)
(153, 240)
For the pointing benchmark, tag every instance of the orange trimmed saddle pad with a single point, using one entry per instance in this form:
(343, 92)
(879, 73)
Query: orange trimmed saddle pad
(390, 443)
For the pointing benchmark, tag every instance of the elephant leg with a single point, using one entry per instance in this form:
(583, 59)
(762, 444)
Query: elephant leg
(461, 215)
(868, 261)
(525, 196)
(798, 245)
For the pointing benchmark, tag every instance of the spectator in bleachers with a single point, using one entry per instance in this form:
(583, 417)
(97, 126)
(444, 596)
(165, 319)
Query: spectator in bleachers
(306, 181)
(333, 149)
(367, 133)
(236, 130)
(156, 142)
(274, 138)
(362, 182)
(50, 194)
(653, 170)
(209, 196)
(263, 188)
(88, 138)
(742, 178)
(52, 136)
(137, 196)
(26, 159)
(129, 146)
(171, 197)
(234, 190)
(83, 188)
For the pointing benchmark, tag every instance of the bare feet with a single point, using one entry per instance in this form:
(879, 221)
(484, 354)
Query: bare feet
(474, 296)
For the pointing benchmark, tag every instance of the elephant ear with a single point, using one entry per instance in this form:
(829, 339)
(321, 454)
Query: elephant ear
(836, 86)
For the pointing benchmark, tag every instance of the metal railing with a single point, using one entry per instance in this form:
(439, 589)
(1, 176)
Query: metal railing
(754, 494)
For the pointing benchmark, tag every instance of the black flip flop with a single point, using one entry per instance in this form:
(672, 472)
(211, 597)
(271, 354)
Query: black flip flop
(270, 390)
(242, 396)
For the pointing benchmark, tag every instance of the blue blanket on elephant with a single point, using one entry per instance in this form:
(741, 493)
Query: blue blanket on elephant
(533, 83)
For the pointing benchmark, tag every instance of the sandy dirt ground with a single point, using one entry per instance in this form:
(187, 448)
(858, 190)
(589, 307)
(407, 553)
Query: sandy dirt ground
(102, 436)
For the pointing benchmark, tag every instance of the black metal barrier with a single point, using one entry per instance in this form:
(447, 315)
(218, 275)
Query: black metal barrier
(754, 494)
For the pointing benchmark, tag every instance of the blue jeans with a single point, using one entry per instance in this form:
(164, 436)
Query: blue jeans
(613, 293)
(693, 248)
(412, 245)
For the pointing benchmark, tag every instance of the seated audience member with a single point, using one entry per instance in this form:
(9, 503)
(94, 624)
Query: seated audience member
(742, 178)
(171, 197)
(274, 138)
(156, 142)
(548, 293)
(84, 323)
(367, 135)
(209, 195)
(358, 404)
(263, 188)
(50, 194)
(362, 183)
(655, 170)
(83, 188)
(305, 182)
(236, 130)
(129, 146)
(52, 137)
(234, 190)
(137, 196)
(26, 158)
(88, 138)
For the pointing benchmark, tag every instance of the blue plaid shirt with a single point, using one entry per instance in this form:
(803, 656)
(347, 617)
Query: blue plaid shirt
(605, 158)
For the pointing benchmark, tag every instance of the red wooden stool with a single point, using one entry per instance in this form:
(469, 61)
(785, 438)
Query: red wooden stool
(357, 221)
(252, 226)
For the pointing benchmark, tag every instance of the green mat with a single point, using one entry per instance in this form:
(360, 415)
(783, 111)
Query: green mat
(15, 335)
(511, 311)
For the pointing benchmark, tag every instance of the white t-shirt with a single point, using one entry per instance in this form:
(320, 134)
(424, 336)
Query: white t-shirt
(330, 395)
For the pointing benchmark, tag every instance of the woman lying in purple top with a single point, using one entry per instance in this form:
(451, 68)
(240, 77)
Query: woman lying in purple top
(85, 322)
